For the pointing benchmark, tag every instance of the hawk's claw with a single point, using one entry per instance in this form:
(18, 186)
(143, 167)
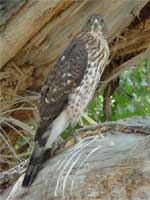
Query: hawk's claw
(77, 136)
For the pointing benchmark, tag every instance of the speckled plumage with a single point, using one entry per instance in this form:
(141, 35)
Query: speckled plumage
(79, 98)
(68, 88)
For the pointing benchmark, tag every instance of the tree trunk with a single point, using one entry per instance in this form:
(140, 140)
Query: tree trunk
(109, 161)
(34, 33)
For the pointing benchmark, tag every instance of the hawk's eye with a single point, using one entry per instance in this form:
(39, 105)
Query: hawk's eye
(102, 20)
(89, 21)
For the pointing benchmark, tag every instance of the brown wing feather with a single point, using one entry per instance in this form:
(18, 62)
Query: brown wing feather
(67, 74)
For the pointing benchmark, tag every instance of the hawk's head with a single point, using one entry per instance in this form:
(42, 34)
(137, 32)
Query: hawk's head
(95, 23)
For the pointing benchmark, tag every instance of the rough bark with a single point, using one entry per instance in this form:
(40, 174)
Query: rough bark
(35, 33)
(109, 161)
(29, 19)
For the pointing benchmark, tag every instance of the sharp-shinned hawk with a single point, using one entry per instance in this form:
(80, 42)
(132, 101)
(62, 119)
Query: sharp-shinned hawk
(69, 87)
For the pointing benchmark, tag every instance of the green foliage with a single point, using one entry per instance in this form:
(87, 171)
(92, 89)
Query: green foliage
(132, 98)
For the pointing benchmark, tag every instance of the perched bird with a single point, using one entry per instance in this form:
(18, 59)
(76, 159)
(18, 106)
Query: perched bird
(68, 88)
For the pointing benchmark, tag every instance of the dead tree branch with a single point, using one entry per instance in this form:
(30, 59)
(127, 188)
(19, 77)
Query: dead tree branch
(109, 160)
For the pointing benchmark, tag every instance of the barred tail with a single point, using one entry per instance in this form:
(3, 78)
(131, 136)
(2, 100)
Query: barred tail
(34, 167)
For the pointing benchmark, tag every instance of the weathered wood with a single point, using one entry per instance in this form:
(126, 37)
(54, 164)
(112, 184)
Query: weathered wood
(34, 33)
(8, 9)
(41, 30)
(111, 161)
(23, 26)
(7, 178)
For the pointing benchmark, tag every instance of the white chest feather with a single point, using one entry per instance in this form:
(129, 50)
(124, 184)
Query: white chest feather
(81, 96)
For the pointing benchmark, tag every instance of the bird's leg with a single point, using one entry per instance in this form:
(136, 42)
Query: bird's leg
(60, 140)
(77, 136)
(56, 144)
(49, 153)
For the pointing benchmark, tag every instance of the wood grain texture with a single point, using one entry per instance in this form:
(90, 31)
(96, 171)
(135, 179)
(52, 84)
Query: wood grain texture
(111, 161)
(30, 45)
(40, 30)
(25, 24)
(8, 9)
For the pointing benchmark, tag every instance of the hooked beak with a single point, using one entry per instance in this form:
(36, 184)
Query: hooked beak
(96, 25)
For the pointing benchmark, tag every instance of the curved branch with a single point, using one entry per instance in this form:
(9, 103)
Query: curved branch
(106, 162)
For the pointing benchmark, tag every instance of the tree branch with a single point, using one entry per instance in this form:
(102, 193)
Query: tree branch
(25, 24)
(106, 162)
(107, 77)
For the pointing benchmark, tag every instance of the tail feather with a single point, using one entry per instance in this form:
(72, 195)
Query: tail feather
(33, 167)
